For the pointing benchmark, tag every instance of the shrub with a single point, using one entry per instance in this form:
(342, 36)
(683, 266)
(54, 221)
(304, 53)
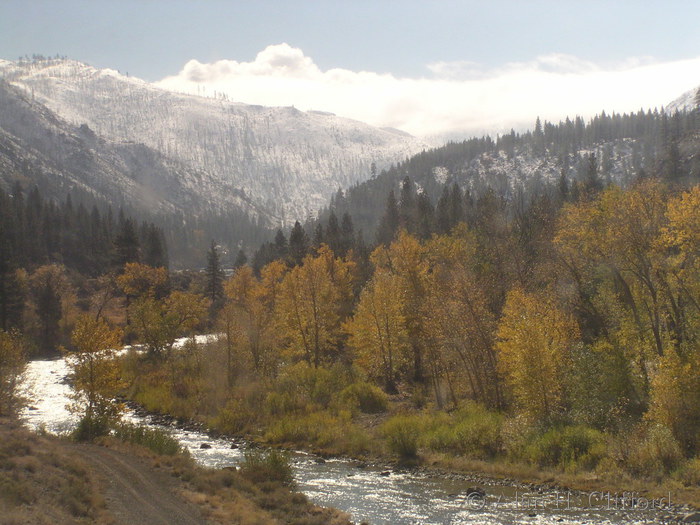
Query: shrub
(272, 465)
(401, 433)
(654, 452)
(365, 397)
(235, 417)
(304, 385)
(90, 427)
(321, 430)
(158, 440)
(689, 473)
(570, 447)
(472, 431)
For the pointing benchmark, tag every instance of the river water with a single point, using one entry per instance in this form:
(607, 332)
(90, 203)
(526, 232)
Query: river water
(375, 494)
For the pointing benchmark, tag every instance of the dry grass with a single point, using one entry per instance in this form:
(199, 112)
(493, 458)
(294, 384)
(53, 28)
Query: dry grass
(227, 496)
(42, 482)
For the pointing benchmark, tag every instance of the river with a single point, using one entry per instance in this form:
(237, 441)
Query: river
(375, 494)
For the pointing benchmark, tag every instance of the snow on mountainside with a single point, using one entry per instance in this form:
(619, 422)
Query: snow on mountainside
(38, 147)
(686, 102)
(285, 161)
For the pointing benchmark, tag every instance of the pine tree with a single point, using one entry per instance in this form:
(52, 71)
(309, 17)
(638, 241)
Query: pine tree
(442, 213)
(390, 221)
(333, 232)
(298, 244)
(126, 244)
(280, 245)
(347, 235)
(215, 278)
(407, 206)
(241, 259)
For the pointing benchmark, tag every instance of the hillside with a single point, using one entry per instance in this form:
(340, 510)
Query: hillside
(286, 162)
(550, 159)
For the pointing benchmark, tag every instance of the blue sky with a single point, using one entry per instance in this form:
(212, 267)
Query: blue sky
(408, 40)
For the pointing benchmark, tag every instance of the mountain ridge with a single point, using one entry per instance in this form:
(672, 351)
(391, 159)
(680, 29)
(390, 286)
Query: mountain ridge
(285, 161)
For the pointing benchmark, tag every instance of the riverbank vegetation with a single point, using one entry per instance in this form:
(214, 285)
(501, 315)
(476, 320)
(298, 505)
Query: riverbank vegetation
(563, 339)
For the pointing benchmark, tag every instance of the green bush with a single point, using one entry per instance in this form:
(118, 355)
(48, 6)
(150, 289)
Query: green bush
(570, 447)
(402, 433)
(472, 431)
(89, 428)
(320, 429)
(272, 465)
(364, 397)
(158, 440)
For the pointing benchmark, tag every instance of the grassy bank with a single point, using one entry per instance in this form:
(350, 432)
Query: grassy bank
(50, 480)
(258, 492)
(336, 412)
(43, 481)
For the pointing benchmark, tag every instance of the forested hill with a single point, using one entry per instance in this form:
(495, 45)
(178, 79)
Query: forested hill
(556, 160)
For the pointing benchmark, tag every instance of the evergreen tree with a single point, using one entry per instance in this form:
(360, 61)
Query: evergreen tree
(425, 224)
(241, 259)
(591, 181)
(126, 243)
(333, 232)
(347, 234)
(390, 221)
(407, 206)
(443, 217)
(215, 277)
(280, 245)
(298, 244)
(154, 253)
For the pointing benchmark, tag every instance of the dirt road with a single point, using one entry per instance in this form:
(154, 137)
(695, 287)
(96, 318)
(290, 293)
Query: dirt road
(137, 494)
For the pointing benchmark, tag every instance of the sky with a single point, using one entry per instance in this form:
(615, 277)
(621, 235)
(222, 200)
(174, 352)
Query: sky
(431, 68)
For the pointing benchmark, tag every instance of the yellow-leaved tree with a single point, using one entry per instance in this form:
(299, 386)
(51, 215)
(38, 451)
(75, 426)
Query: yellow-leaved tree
(675, 383)
(13, 358)
(534, 339)
(378, 331)
(248, 317)
(459, 328)
(94, 375)
(312, 300)
(158, 323)
(406, 258)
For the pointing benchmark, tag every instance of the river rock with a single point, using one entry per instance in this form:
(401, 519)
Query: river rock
(205, 446)
(234, 446)
(693, 517)
(477, 491)
(320, 461)
(385, 473)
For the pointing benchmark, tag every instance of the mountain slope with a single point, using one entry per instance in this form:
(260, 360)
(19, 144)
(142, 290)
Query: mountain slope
(38, 147)
(285, 161)
(688, 101)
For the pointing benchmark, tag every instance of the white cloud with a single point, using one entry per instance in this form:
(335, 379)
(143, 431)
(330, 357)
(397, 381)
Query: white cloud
(457, 98)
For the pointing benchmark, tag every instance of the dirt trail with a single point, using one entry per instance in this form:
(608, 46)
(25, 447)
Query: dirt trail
(137, 494)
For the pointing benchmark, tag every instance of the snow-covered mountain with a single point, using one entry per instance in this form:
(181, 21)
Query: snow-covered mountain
(686, 102)
(280, 160)
(38, 147)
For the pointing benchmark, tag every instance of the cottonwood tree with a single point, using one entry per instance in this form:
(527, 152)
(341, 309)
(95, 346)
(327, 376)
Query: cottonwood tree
(13, 358)
(534, 343)
(312, 302)
(94, 374)
(158, 323)
(378, 332)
